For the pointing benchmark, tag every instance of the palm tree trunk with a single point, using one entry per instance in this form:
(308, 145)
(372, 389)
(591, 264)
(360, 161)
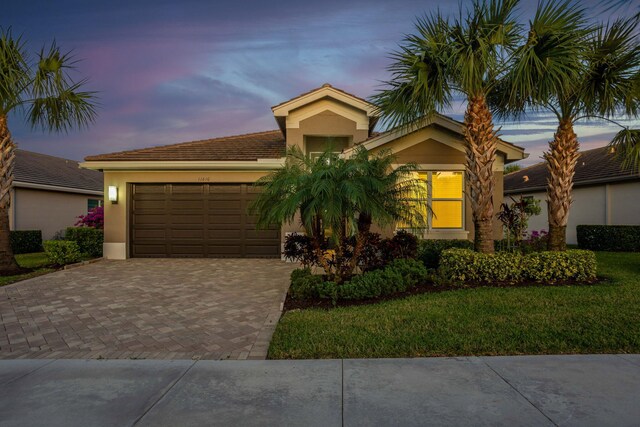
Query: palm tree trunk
(364, 226)
(561, 164)
(8, 263)
(482, 142)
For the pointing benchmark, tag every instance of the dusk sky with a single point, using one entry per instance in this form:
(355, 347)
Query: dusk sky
(174, 71)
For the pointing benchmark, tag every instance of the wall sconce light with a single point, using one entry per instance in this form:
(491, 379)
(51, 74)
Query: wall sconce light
(113, 194)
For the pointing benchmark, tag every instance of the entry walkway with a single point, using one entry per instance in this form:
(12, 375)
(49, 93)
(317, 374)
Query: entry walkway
(588, 390)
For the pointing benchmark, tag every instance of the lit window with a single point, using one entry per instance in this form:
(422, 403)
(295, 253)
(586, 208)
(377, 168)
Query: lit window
(446, 198)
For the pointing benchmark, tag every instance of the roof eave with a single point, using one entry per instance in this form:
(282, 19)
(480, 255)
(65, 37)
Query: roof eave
(583, 183)
(220, 165)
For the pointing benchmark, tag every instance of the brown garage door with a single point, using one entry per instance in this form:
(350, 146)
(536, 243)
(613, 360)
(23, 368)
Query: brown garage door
(197, 220)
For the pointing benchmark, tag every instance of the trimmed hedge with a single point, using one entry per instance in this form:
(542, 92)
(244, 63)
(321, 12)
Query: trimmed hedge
(615, 238)
(464, 265)
(26, 241)
(89, 239)
(429, 250)
(62, 252)
(398, 276)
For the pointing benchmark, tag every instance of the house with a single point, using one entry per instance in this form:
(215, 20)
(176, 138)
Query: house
(190, 199)
(604, 193)
(49, 193)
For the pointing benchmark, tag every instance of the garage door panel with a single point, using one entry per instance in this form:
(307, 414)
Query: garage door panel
(147, 219)
(148, 204)
(179, 219)
(223, 233)
(186, 204)
(155, 233)
(228, 219)
(154, 250)
(225, 189)
(187, 189)
(197, 220)
(224, 204)
(150, 189)
(197, 234)
(186, 249)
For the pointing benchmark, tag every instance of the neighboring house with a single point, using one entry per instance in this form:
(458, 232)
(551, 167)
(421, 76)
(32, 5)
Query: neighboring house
(190, 199)
(49, 193)
(603, 192)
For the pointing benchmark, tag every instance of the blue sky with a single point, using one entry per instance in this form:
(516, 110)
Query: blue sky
(173, 71)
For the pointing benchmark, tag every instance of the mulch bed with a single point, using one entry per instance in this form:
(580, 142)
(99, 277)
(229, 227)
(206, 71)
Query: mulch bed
(428, 287)
(17, 272)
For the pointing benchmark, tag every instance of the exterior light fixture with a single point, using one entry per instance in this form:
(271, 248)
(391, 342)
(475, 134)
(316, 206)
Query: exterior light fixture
(113, 194)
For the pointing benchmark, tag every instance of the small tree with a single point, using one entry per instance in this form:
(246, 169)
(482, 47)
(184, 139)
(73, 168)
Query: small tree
(515, 218)
(338, 198)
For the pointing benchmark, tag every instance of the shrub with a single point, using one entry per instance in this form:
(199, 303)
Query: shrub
(464, 265)
(298, 248)
(304, 284)
(429, 250)
(61, 252)
(398, 276)
(93, 219)
(402, 245)
(89, 239)
(573, 264)
(621, 238)
(26, 241)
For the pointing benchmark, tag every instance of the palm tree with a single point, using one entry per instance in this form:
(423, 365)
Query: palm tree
(467, 56)
(341, 195)
(576, 71)
(50, 99)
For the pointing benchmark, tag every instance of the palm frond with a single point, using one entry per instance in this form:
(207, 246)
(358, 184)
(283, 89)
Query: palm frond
(548, 65)
(419, 84)
(610, 83)
(57, 102)
(14, 71)
(626, 145)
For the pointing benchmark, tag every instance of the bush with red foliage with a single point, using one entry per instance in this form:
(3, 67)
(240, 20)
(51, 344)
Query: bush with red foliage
(94, 219)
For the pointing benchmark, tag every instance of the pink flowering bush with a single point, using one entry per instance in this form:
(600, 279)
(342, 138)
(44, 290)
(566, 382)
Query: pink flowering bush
(94, 219)
(536, 241)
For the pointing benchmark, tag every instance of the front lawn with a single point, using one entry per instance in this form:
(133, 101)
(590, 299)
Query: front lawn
(37, 261)
(601, 318)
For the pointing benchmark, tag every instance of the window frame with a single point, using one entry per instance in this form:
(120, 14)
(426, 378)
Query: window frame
(431, 199)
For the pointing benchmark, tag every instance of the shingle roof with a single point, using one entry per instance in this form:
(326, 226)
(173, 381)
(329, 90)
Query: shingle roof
(252, 146)
(596, 165)
(36, 168)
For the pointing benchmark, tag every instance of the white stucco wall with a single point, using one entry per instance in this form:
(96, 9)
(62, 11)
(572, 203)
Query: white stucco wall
(606, 204)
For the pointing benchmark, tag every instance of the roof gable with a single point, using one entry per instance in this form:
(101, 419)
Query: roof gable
(441, 124)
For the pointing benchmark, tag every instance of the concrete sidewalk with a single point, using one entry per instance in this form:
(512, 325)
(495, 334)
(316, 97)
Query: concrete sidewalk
(596, 390)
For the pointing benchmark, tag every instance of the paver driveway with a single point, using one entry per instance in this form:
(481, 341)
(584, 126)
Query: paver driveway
(146, 308)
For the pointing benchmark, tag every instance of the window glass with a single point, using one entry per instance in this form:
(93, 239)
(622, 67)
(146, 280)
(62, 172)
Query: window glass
(446, 185)
(446, 214)
(93, 203)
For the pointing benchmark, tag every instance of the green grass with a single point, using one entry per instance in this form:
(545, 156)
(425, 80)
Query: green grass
(38, 261)
(602, 318)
